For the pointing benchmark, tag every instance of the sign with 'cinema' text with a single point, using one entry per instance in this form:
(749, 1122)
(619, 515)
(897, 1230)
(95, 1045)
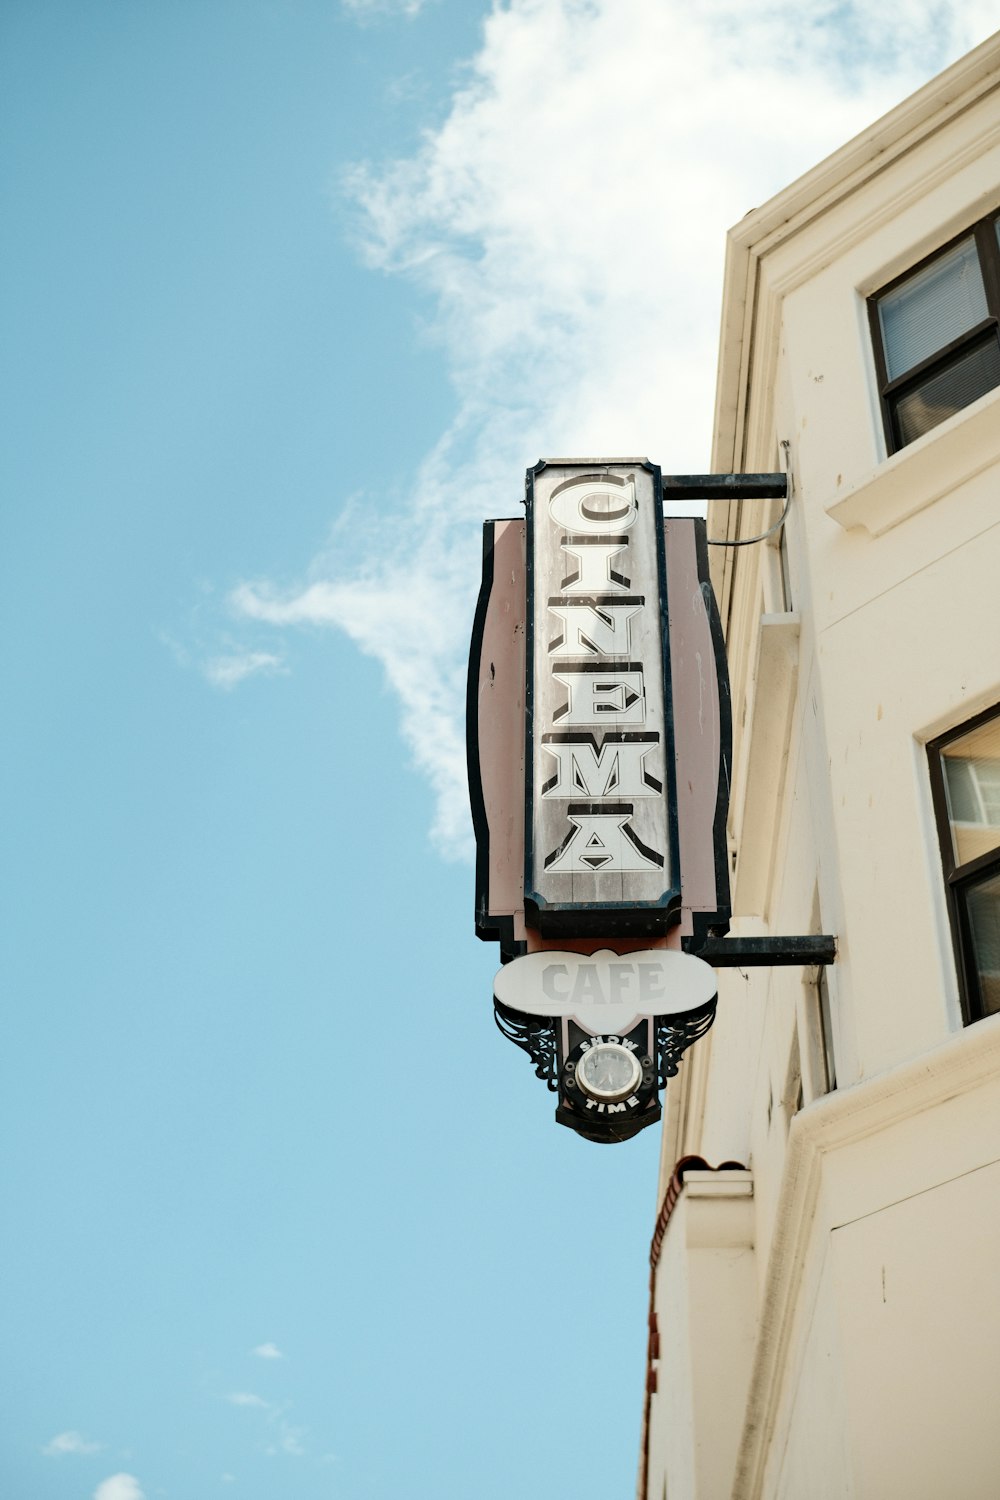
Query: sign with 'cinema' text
(598, 732)
(600, 813)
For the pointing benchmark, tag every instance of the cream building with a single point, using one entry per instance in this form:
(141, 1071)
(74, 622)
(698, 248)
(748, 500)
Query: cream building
(825, 1317)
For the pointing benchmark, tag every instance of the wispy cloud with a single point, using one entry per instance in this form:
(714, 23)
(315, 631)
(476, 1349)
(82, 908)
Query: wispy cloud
(70, 1442)
(363, 9)
(288, 1440)
(568, 220)
(119, 1487)
(268, 1351)
(281, 1436)
(410, 614)
(228, 671)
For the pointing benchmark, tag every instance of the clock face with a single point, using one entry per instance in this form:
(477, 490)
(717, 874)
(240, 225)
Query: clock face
(608, 1071)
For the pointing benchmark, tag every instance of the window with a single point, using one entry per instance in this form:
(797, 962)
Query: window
(935, 332)
(965, 778)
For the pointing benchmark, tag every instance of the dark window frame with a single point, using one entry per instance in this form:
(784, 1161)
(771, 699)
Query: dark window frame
(985, 233)
(958, 878)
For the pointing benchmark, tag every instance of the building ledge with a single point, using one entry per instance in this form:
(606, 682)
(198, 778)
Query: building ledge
(924, 471)
(728, 1180)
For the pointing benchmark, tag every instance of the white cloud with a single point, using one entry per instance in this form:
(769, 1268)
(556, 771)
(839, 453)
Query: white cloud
(569, 219)
(233, 668)
(70, 1442)
(288, 1440)
(365, 8)
(291, 1443)
(268, 1351)
(119, 1487)
(282, 1437)
(412, 619)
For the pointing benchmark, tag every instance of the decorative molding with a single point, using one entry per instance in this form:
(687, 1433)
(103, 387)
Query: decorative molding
(962, 1064)
(729, 1186)
(924, 471)
(868, 219)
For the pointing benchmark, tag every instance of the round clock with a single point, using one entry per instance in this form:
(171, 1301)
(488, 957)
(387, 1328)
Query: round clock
(608, 1071)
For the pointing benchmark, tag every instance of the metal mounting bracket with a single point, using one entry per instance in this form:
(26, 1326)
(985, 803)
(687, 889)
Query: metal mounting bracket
(762, 952)
(725, 486)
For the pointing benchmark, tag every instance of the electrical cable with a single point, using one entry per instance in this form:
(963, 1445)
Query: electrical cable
(749, 541)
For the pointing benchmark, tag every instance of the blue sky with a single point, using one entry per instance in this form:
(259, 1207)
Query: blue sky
(292, 292)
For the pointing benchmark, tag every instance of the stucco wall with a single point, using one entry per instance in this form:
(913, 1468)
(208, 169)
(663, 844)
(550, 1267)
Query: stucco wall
(876, 1207)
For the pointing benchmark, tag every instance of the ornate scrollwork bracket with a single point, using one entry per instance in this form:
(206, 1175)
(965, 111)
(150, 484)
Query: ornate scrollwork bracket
(535, 1035)
(675, 1034)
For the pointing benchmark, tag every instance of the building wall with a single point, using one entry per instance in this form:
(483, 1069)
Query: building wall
(868, 627)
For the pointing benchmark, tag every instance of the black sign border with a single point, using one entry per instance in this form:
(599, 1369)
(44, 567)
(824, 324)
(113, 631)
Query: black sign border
(594, 919)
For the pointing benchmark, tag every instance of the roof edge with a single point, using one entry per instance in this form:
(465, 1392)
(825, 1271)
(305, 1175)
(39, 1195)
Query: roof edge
(844, 172)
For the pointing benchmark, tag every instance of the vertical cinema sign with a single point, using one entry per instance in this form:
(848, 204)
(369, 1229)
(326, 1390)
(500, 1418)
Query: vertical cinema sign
(600, 810)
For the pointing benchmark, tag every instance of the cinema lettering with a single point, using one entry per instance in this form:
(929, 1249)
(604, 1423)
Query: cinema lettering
(600, 841)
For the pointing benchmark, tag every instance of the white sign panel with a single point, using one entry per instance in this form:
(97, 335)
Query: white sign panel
(600, 822)
(606, 991)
